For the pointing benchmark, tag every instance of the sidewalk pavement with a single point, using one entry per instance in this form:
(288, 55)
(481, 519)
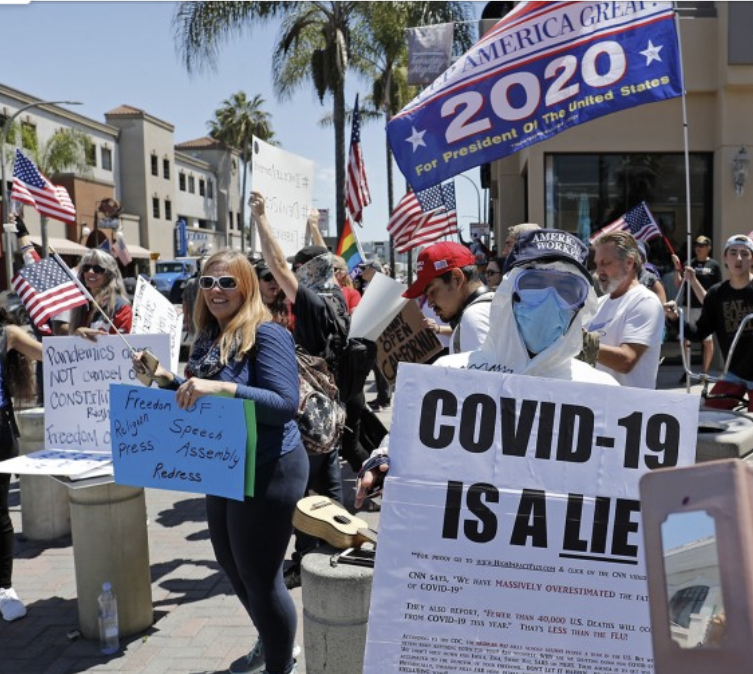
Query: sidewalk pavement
(199, 626)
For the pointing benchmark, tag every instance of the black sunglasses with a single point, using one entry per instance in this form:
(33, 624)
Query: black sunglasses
(224, 282)
(267, 277)
(93, 267)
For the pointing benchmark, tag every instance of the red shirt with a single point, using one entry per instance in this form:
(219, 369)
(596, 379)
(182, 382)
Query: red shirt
(352, 297)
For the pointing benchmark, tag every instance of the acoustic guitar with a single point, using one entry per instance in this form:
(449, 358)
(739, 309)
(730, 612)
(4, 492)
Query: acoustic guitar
(324, 518)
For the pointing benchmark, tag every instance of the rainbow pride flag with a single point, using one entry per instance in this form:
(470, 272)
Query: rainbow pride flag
(349, 248)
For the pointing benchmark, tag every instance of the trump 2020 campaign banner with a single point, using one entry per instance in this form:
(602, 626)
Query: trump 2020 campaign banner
(510, 533)
(545, 67)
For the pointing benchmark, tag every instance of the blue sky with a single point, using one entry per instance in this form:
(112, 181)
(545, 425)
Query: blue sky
(106, 54)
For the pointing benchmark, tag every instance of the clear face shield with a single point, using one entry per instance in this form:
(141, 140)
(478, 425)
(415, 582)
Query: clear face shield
(545, 302)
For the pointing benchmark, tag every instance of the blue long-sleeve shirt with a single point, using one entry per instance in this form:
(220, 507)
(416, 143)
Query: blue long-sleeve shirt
(269, 377)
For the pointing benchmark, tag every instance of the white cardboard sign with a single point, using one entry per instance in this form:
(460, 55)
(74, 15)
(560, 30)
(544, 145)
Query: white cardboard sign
(287, 183)
(77, 377)
(154, 314)
(510, 532)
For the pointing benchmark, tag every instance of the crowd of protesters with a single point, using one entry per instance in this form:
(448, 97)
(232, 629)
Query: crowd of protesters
(596, 316)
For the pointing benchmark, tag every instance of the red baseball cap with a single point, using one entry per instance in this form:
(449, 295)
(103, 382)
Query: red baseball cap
(435, 261)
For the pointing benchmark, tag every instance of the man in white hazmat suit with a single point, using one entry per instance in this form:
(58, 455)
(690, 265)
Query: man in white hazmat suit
(536, 323)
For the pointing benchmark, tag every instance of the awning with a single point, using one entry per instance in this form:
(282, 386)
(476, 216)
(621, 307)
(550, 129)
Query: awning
(68, 247)
(61, 246)
(138, 251)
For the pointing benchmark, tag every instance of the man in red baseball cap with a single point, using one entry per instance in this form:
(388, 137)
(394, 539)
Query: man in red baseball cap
(448, 276)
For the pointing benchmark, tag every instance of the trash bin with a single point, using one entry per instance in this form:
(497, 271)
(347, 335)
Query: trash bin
(45, 514)
(335, 613)
(110, 544)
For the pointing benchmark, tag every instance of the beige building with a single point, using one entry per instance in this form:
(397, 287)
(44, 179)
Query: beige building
(587, 176)
(134, 159)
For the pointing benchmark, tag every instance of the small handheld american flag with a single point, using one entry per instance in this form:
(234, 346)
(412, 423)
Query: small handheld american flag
(639, 221)
(47, 288)
(32, 188)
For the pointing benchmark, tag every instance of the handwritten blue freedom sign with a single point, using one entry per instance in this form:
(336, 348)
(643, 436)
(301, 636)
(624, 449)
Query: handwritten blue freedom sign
(202, 449)
(545, 67)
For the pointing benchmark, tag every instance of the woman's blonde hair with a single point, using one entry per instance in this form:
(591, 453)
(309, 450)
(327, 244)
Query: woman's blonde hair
(107, 294)
(342, 265)
(251, 314)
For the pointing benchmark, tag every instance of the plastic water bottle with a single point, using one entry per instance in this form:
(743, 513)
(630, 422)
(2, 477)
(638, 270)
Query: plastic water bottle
(109, 635)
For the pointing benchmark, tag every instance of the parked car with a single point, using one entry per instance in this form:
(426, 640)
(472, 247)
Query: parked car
(171, 276)
(130, 284)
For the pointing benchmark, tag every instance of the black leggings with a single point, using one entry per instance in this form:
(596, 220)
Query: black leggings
(8, 449)
(250, 539)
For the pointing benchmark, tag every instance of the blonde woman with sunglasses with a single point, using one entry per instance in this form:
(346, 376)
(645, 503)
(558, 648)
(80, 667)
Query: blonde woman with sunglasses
(239, 351)
(99, 273)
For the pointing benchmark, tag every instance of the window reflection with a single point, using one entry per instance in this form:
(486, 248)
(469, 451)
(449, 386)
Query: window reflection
(585, 192)
(694, 592)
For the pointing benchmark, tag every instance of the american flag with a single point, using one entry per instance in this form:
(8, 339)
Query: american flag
(424, 217)
(32, 188)
(357, 195)
(639, 221)
(48, 287)
(120, 250)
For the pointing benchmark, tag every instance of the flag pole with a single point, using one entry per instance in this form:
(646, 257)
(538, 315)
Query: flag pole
(90, 298)
(688, 230)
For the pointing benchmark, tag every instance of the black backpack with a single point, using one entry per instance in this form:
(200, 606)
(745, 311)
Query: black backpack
(350, 359)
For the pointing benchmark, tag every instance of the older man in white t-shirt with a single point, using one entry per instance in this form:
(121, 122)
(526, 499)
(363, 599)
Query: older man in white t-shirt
(630, 318)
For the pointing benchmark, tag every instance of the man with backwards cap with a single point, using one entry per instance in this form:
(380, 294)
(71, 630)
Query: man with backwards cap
(724, 307)
(702, 273)
(537, 319)
(448, 276)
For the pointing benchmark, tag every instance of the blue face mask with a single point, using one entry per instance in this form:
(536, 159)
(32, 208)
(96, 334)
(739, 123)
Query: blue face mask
(542, 317)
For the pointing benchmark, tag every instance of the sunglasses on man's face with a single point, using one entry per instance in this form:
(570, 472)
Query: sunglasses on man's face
(267, 278)
(224, 282)
(93, 267)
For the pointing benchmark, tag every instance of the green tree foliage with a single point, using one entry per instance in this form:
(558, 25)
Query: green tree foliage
(235, 123)
(320, 42)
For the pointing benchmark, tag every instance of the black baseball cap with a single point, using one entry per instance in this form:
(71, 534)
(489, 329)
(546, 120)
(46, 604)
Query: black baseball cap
(548, 244)
(305, 254)
(259, 264)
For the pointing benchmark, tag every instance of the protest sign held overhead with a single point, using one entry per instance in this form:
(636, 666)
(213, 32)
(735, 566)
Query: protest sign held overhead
(545, 67)
(287, 182)
(510, 531)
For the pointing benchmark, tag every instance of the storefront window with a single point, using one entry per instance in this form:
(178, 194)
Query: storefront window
(585, 192)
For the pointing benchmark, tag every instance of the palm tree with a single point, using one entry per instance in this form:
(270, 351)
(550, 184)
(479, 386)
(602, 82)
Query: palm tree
(66, 151)
(236, 122)
(386, 56)
(316, 43)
